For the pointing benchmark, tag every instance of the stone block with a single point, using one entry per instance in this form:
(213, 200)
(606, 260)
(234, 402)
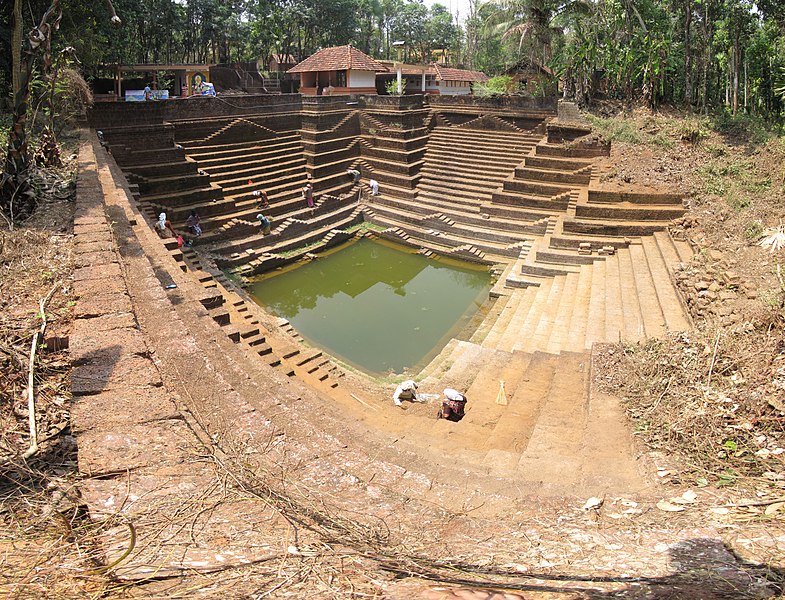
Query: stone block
(109, 270)
(121, 408)
(126, 372)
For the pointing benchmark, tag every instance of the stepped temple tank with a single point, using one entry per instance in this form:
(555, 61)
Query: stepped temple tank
(510, 182)
(376, 306)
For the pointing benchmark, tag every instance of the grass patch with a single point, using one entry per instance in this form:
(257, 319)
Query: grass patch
(736, 180)
(365, 226)
(743, 128)
(753, 230)
(301, 250)
(616, 129)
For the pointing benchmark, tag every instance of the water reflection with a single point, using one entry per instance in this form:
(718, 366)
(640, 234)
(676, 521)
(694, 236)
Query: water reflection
(375, 306)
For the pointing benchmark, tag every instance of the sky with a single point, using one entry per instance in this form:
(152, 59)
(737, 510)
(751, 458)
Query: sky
(461, 6)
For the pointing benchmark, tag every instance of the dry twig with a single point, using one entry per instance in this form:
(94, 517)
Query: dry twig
(39, 335)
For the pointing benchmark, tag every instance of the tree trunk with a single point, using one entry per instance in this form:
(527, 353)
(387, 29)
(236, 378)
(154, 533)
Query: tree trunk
(687, 53)
(735, 68)
(707, 44)
(16, 46)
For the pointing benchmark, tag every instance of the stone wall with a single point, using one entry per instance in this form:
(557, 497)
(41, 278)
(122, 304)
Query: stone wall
(518, 103)
(116, 114)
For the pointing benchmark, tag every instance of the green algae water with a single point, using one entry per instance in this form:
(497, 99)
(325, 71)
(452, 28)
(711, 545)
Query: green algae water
(375, 306)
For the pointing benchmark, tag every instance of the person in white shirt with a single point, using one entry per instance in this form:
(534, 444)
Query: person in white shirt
(407, 390)
(374, 187)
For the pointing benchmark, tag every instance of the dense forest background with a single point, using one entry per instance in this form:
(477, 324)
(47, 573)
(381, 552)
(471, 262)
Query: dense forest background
(700, 53)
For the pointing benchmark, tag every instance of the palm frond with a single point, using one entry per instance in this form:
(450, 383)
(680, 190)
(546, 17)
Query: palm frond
(773, 238)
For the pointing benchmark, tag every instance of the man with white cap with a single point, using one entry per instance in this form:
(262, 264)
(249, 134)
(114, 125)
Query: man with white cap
(453, 405)
(407, 390)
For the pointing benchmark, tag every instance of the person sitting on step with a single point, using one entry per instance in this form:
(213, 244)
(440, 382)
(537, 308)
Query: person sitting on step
(193, 223)
(265, 223)
(453, 405)
(354, 174)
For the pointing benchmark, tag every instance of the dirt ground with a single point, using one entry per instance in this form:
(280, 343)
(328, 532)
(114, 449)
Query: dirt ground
(707, 407)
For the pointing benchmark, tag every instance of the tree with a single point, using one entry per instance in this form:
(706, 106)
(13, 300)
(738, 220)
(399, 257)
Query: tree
(17, 196)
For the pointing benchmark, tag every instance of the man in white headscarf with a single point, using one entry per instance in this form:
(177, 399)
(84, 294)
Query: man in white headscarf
(407, 390)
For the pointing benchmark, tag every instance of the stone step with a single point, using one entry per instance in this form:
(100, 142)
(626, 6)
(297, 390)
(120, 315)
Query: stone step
(483, 408)
(544, 175)
(669, 249)
(618, 229)
(518, 298)
(439, 172)
(556, 164)
(218, 162)
(450, 153)
(557, 341)
(671, 304)
(233, 150)
(523, 324)
(519, 200)
(499, 302)
(653, 319)
(179, 198)
(510, 436)
(280, 172)
(485, 232)
(553, 450)
(540, 337)
(626, 211)
(633, 327)
(595, 324)
(261, 164)
(614, 311)
(576, 338)
(440, 362)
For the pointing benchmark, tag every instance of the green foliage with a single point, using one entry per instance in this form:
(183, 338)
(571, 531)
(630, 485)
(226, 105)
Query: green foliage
(731, 58)
(501, 84)
(391, 87)
(753, 230)
(742, 128)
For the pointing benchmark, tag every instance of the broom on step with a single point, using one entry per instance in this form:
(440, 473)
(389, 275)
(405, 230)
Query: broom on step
(501, 397)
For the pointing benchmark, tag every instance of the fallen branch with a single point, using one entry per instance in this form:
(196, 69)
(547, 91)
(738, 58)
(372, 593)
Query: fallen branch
(713, 358)
(39, 335)
(363, 402)
(744, 504)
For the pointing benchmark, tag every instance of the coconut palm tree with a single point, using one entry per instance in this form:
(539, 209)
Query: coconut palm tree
(530, 22)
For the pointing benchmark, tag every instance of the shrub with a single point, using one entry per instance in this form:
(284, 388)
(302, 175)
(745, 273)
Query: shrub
(502, 84)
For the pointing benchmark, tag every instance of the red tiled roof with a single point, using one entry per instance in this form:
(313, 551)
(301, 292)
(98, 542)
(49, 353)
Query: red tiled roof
(407, 69)
(338, 59)
(447, 74)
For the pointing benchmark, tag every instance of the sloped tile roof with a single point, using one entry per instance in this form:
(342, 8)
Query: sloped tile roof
(338, 59)
(447, 74)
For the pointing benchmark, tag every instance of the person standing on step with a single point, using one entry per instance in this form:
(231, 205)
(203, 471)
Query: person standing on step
(261, 199)
(374, 187)
(407, 390)
(308, 194)
(453, 405)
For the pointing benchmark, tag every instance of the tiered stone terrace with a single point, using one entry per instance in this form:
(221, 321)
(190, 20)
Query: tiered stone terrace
(501, 185)
(513, 186)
